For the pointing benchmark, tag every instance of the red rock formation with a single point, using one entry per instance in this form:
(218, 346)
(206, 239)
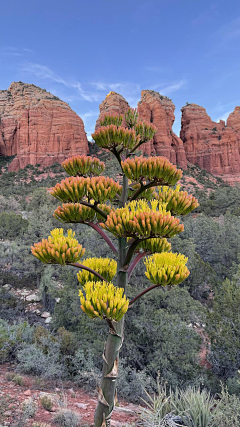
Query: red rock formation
(157, 109)
(210, 145)
(234, 119)
(112, 104)
(38, 127)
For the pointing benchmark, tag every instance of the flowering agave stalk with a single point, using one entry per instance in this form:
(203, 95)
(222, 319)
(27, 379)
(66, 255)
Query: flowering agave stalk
(140, 221)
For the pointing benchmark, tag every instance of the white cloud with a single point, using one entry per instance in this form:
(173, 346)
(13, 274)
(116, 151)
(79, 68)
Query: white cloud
(45, 73)
(167, 90)
(125, 89)
(224, 116)
(14, 51)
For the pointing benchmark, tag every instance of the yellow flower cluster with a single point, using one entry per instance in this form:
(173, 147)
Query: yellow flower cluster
(178, 202)
(166, 268)
(154, 245)
(58, 249)
(105, 266)
(103, 300)
(139, 220)
(111, 137)
(157, 169)
(73, 189)
(146, 131)
(76, 213)
(112, 119)
(83, 166)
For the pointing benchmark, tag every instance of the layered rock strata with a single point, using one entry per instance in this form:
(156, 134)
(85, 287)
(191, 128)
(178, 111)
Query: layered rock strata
(38, 127)
(210, 145)
(112, 104)
(158, 110)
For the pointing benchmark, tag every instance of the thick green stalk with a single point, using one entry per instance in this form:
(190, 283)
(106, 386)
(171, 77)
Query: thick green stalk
(107, 391)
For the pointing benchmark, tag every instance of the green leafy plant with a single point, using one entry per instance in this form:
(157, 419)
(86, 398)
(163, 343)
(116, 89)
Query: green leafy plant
(46, 402)
(196, 407)
(228, 413)
(17, 379)
(67, 418)
(138, 219)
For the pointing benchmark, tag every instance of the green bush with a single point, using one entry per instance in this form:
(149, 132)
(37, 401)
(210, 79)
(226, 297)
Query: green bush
(228, 414)
(17, 379)
(12, 225)
(67, 418)
(12, 337)
(45, 361)
(46, 402)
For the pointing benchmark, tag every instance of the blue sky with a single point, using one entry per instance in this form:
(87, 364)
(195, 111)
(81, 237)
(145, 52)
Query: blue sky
(79, 50)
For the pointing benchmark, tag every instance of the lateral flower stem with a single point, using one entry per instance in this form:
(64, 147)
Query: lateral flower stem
(84, 267)
(104, 236)
(143, 188)
(142, 293)
(95, 208)
(136, 261)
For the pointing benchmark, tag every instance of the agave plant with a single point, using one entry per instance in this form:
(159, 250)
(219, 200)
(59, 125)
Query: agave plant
(139, 222)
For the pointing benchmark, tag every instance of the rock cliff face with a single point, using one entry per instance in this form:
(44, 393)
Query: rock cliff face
(158, 110)
(38, 127)
(112, 104)
(210, 145)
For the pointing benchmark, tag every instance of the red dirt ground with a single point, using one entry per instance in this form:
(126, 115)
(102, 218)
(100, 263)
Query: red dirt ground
(77, 400)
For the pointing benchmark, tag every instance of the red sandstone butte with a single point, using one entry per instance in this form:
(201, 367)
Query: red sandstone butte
(158, 110)
(112, 104)
(210, 145)
(38, 127)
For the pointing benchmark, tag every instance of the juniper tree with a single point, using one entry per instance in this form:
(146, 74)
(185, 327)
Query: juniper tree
(140, 213)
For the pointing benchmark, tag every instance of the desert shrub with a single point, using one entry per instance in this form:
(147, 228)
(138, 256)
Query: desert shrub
(84, 369)
(12, 337)
(9, 376)
(228, 411)
(223, 329)
(12, 225)
(67, 339)
(67, 418)
(46, 402)
(29, 408)
(17, 379)
(132, 384)
(45, 362)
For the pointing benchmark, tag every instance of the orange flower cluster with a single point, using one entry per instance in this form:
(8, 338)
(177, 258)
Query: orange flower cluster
(111, 137)
(76, 213)
(73, 189)
(123, 223)
(112, 119)
(157, 169)
(58, 249)
(178, 202)
(146, 131)
(83, 166)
